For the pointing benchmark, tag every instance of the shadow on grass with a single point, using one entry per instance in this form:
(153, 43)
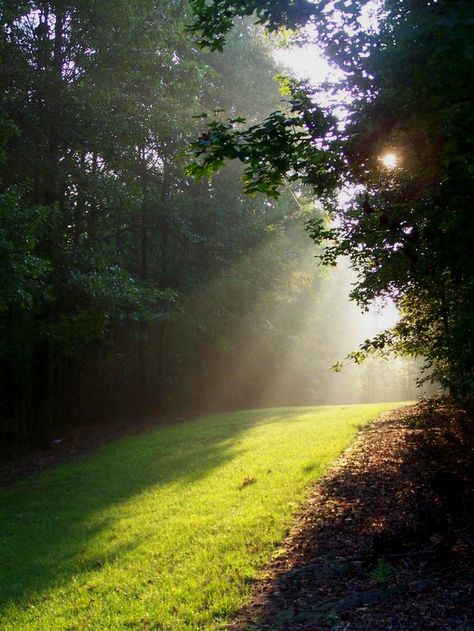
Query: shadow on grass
(47, 521)
(403, 504)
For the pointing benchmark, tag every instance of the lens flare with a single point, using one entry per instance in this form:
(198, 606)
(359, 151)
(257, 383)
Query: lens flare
(390, 160)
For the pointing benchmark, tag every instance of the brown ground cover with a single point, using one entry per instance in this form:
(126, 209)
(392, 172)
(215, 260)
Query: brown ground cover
(386, 540)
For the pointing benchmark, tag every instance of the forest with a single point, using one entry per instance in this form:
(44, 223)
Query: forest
(236, 311)
(127, 286)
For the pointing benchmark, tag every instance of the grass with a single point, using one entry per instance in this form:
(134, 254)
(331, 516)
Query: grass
(166, 530)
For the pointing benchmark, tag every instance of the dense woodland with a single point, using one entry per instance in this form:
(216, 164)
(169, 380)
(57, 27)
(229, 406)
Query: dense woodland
(405, 93)
(129, 287)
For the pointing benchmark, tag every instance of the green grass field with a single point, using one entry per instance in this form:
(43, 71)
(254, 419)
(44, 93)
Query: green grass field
(167, 529)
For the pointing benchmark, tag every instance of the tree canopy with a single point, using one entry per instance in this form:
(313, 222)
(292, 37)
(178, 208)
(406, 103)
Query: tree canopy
(101, 235)
(405, 222)
(126, 286)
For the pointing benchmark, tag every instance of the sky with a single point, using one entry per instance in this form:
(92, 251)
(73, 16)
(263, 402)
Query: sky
(307, 62)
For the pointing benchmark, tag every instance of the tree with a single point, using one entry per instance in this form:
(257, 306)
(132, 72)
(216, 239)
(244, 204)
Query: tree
(79, 116)
(103, 238)
(407, 228)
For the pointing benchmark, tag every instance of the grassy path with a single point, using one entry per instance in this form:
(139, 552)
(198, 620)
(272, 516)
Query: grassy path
(163, 531)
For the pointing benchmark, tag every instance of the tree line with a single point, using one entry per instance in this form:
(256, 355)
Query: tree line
(402, 153)
(101, 233)
(126, 286)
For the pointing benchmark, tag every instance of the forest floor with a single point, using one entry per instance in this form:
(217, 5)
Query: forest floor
(386, 541)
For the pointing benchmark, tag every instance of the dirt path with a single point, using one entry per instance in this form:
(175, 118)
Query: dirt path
(386, 540)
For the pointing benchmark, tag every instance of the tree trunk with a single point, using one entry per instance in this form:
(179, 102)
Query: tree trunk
(40, 421)
(142, 355)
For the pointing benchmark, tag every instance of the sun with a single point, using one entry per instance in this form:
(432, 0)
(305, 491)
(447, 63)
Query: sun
(390, 160)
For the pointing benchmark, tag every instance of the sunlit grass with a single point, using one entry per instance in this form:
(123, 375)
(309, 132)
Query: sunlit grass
(165, 530)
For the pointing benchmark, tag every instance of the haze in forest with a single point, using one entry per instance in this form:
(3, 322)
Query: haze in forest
(303, 331)
(128, 288)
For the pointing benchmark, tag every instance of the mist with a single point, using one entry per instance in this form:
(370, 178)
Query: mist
(283, 342)
(131, 289)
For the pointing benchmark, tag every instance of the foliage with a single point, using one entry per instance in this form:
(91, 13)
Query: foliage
(126, 286)
(281, 148)
(215, 19)
(382, 573)
(406, 230)
(22, 271)
(102, 236)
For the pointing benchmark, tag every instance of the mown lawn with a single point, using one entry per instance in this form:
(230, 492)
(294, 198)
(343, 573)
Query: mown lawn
(166, 530)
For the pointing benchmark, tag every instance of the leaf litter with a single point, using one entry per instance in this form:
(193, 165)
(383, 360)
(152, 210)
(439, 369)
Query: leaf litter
(386, 540)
